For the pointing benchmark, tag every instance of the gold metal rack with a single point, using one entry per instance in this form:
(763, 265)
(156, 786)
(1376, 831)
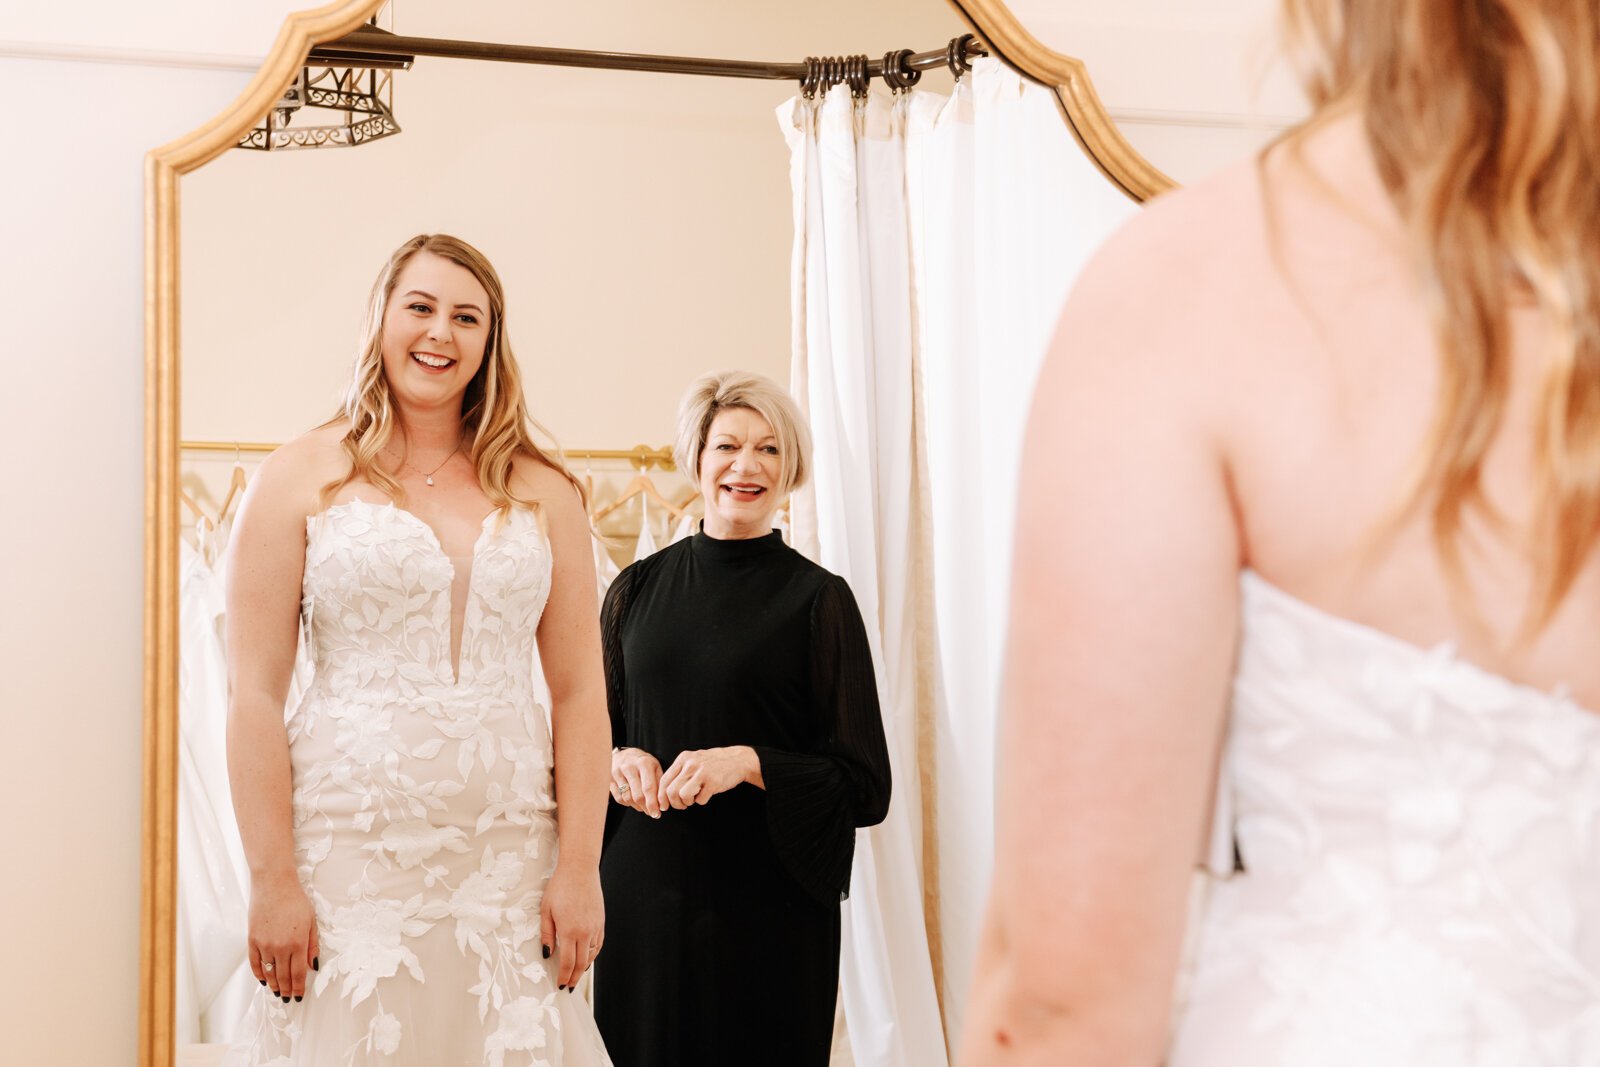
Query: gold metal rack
(642, 457)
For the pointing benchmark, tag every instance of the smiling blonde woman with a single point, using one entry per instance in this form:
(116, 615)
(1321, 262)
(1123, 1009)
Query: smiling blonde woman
(749, 748)
(424, 888)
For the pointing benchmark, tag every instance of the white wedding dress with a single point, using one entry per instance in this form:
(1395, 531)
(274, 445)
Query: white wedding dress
(213, 982)
(424, 812)
(1422, 849)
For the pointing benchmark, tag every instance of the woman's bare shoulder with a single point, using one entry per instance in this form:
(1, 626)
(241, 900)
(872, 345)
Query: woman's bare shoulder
(1182, 250)
(1158, 319)
(533, 477)
(295, 473)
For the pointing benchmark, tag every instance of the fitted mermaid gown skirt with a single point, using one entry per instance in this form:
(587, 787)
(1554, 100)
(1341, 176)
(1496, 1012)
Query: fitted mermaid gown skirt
(424, 812)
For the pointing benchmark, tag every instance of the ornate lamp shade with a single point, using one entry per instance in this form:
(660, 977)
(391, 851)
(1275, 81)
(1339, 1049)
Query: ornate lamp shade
(328, 107)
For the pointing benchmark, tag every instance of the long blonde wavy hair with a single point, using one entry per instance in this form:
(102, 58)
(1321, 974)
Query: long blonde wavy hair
(494, 415)
(1484, 119)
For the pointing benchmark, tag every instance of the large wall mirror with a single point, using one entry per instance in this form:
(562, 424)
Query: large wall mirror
(643, 226)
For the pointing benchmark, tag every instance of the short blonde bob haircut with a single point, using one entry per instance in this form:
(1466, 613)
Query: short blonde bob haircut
(765, 397)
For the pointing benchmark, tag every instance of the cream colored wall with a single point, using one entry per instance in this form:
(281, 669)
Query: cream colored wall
(71, 415)
(1194, 84)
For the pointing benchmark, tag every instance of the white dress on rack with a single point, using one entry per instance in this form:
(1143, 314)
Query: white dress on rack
(424, 810)
(687, 527)
(646, 545)
(214, 983)
(1422, 849)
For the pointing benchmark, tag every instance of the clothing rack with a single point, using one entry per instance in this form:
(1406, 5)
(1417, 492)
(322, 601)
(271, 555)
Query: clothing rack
(641, 456)
(370, 46)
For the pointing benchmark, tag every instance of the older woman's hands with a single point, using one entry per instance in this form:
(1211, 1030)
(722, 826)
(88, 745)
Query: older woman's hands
(635, 778)
(698, 775)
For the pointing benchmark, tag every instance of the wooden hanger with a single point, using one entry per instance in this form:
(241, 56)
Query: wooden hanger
(588, 487)
(640, 484)
(199, 513)
(235, 486)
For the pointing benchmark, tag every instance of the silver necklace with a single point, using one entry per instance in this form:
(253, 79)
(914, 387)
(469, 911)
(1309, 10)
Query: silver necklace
(427, 476)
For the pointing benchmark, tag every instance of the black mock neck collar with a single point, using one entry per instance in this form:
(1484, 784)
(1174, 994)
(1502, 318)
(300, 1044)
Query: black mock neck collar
(736, 548)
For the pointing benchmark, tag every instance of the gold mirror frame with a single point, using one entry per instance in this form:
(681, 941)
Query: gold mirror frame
(1075, 94)
(990, 19)
(163, 167)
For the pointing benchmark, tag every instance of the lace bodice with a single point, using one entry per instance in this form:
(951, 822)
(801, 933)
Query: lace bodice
(1422, 849)
(377, 600)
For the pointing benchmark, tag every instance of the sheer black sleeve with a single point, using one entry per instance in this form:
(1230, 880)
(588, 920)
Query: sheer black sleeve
(815, 800)
(613, 613)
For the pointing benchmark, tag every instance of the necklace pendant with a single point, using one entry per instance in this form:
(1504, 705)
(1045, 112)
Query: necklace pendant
(430, 479)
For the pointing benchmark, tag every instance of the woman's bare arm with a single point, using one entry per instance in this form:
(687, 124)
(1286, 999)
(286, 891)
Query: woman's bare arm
(266, 557)
(1121, 641)
(569, 649)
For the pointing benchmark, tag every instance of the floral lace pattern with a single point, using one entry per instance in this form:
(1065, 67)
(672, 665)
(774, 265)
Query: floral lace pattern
(423, 805)
(1422, 850)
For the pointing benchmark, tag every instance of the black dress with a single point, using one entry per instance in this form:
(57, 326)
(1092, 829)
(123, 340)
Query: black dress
(722, 920)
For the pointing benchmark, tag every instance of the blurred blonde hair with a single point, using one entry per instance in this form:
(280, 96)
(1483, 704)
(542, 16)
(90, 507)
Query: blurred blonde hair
(493, 411)
(1484, 119)
(742, 389)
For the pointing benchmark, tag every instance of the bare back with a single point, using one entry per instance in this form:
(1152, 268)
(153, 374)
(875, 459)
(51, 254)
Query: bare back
(1326, 379)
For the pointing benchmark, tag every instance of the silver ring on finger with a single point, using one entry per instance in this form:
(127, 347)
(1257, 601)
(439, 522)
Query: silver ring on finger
(623, 790)
(266, 968)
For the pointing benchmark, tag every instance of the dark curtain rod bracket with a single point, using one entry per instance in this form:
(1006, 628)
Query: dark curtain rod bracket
(900, 70)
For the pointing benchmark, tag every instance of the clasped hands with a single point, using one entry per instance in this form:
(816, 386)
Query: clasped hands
(696, 776)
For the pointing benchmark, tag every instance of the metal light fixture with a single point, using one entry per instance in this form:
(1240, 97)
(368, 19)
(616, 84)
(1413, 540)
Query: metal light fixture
(339, 100)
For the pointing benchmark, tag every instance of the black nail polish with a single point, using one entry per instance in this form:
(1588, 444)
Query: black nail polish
(263, 982)
(314, 964)
(546, 952)
(285, 1000)
(298, 999)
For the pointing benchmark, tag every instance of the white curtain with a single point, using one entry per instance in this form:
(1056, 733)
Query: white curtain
(935, 238)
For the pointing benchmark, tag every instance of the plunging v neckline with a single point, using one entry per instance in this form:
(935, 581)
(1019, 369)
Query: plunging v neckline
(456, 648)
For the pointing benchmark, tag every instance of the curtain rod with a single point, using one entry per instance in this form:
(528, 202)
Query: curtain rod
(372, 47)
(640, 456)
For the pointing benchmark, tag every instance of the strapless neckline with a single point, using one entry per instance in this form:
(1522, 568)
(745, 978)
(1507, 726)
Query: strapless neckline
(1443, 655)
(390, 505)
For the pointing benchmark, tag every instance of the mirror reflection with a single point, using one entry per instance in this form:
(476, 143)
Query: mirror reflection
(663, 729)
(610, 237)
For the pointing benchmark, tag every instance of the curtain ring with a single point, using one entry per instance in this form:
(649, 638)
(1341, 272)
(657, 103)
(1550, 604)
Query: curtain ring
(896, 74)
(860, 76)
(808, 80)
(955, 55)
